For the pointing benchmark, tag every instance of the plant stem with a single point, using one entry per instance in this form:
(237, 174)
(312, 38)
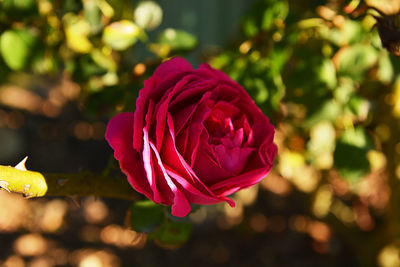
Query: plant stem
(35, 184)
(87, 183)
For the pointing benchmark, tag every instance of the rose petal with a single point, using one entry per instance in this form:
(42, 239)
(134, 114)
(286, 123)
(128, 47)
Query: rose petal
(176, 64)
(163, 106)
(180, 205)
(194, 132)
(163, 78)
(268, 152)
(233, 160)
(178, 169)
(190, 97)
(148, 159)
(178, 163)
(194, 195)
(206, 167)
(229, 186)
(216, 74)
(119, 136)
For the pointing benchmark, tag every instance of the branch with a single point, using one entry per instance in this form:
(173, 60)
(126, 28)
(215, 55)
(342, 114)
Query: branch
(28, 183)
(87, 183)
(34, 184)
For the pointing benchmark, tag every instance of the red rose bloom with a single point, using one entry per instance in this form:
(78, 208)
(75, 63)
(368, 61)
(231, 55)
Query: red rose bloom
(196, 137)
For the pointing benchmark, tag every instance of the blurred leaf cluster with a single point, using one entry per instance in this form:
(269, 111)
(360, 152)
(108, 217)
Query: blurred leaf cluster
(320, 72)
(91, 42)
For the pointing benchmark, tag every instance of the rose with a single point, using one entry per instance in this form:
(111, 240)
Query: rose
(196, 137)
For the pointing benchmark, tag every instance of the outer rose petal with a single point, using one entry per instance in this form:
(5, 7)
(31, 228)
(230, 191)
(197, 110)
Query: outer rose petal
(119, 136)
(164, 77)
(180, 206)
(176, 64)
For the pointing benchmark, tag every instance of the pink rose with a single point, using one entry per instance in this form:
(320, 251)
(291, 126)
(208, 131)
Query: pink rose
(196, 137)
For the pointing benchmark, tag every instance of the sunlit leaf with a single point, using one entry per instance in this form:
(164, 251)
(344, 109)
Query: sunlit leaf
(92, 14)
(329, 111)
(77, 31)
(350, 32)
(177, 39)
(350, 154)
(122, 34)
(16, 46)
(103, 58)
(327, 73)
(359, 106)
(355, 61)
(44, 63)
(385, 68)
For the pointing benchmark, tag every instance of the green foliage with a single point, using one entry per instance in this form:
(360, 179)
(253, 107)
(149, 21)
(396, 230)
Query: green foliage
(264, 15)
(121, 34)
(351, 154)
(146, 216)
(172, 233)
(16, 47)
(355, 61)
(164, 229)
(312, 69)
(90, 41)
(19, 9)
(173, 41)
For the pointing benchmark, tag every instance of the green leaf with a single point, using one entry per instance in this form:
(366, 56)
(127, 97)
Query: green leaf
(327, 111)
(44, 62)
(146, 216)
(77, 31)
(351, 32)
(263, 16)
(350, 154)
(19, 9)
(356, 60)
(92, 15)
(359, 106)
(327, 73)
(122, 34)
(385, 68)
(177, 39)
(172, 233)
(278, 10)
(16, 46)
(85, 68)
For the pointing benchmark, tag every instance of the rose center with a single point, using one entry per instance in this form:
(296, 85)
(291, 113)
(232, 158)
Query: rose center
(227, 140)
(219, 126)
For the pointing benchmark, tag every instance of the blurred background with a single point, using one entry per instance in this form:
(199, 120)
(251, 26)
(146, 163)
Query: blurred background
(316, 68)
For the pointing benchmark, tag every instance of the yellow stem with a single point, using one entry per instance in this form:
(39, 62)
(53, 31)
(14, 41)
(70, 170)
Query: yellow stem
(29, 183)
(35, 184)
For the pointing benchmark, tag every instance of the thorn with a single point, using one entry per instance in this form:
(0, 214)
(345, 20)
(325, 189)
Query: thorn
(4, 185)
(76, 199)
(21, 166)
(62, 182)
